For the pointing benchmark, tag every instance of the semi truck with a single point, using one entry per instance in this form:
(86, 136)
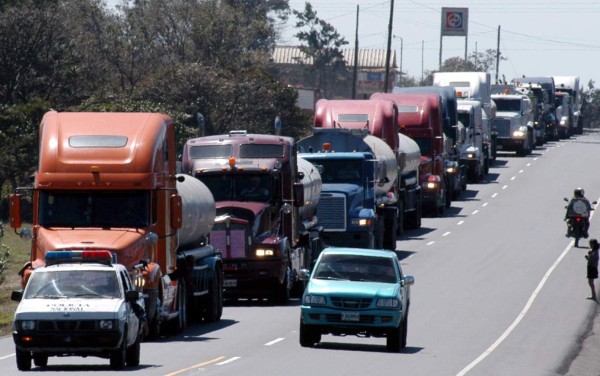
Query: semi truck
(454, 134)
(475, 86)
(570, 85)
(266, 200)
(378, 117)
(107, 181)
(549, 97)
(473, 153)
(514, 122)
(420, 118)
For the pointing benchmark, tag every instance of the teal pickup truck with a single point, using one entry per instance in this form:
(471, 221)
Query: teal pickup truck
(356, 291)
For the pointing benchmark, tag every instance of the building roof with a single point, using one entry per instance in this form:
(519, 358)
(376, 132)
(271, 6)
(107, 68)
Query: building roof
(367, 58)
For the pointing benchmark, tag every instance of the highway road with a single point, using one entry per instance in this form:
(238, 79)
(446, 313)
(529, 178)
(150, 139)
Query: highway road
(499, 291)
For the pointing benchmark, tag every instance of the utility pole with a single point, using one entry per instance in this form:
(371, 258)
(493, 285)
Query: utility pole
(401, 46)
(498, 55)
(389, 49)
(355, 74)
(422, 60)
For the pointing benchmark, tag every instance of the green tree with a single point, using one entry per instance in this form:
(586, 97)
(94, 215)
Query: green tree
(323, 48)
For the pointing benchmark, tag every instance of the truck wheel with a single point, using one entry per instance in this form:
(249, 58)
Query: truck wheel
(181, 322)
(23, 360)
(400, 219)
(214, 309)
(132, 356)
(309, 336)
(117, 357)
(394, 339)
(40, 360)
(282, 295)
(390, 228)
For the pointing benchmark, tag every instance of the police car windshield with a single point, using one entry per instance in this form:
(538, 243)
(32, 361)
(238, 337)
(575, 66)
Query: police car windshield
(73, 284)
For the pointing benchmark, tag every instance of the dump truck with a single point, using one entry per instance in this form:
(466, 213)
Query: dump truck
(107, 181)
(266, 200)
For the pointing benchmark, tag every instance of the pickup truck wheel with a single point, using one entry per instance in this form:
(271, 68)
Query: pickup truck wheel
(404, 326)
(394, 339)
(308, 335)
(132, 357)
(117, 357)
(23, 360)
(40, 360)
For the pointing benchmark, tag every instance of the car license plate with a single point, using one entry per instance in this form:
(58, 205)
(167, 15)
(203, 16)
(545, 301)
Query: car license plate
(230, 283)
(350, 316)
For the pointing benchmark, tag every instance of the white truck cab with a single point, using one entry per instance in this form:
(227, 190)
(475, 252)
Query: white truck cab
(78, 304)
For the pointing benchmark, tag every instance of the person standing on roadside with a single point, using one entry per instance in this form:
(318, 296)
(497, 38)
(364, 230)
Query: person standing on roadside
(592, 266)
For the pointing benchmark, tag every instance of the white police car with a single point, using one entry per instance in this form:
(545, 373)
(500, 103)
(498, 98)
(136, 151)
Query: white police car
(79, 304)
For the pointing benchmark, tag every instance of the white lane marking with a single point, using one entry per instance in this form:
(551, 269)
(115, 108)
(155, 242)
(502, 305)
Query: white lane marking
(520, 171)
(485, 204)
(430, 243)
(523, 312)
(460, 223)
(504, 187)
(228, 360)
(7, 356)
(513, 178)
(494, 195)
(446, 233)
(475, 212)
(274, 341)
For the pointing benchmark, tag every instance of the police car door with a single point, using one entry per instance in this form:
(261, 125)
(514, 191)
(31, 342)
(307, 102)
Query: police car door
(133, 323)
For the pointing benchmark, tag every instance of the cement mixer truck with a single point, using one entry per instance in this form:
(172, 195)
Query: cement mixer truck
(266, 200)
(107, 181)
(376, 206)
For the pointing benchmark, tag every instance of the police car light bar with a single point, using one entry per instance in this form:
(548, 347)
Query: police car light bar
(58, 257)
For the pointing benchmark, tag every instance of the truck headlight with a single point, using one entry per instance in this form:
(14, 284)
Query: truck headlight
(362, 222)
(106, 324)
(315, 300)
(28, 324)
(262, 252)
(518, 134)
(388, 303)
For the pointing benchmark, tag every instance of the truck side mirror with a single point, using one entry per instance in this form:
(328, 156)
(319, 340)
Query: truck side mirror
(298, 195)
(176, 212)
(15, 210)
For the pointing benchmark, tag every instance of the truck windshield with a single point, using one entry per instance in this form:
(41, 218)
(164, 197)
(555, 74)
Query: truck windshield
(508, 105)
(73, 284)
(464, 118)
(94, 209)
(239, 187)
(339, 170)
(356, 268)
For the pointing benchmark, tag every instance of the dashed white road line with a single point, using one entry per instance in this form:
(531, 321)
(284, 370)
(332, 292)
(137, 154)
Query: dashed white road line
(460, 223)
(505, 186)
(485, 204)
(494, 195)
(228, 360)
(513, 178)
(430, 243)
(274, 341)
(521, 171)
(475, 212)
(7, 356)
(446, 233)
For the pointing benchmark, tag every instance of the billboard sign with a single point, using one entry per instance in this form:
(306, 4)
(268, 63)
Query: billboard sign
(455, 21)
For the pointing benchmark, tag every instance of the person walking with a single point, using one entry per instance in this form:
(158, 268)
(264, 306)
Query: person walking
(592, 266)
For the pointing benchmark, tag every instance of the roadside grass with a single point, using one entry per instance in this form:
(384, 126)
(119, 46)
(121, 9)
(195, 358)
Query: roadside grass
(18, 255)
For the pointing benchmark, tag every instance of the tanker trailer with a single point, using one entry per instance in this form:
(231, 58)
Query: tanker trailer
(410, 190)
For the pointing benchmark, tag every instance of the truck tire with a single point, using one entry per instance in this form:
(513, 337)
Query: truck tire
(400, 219)
(181, 322)
(282, 293)
(309, 336)
(214, 307)
(23, 360)
(132, 355)
(40, 360)
(390, 228)
(394, 339)
(117, 357)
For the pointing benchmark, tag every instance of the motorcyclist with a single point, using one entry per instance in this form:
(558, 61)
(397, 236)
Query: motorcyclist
(579, 206)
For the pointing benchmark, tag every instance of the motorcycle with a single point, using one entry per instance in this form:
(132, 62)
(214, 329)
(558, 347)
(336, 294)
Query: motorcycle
(577, 225)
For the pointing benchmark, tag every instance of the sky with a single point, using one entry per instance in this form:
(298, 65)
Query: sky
(537, 37)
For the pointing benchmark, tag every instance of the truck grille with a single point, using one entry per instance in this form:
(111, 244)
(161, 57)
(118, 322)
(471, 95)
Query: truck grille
(331, 211)
(502, 127)
(70, 325)
(351, 303)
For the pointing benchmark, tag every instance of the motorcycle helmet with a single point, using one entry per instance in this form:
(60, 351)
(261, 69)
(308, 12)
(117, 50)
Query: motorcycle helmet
(579, 192)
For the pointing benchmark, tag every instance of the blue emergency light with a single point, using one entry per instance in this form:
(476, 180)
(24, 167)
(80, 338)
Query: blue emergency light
(58, 257)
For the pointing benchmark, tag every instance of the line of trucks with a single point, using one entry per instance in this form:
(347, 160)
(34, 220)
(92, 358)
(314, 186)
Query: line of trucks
(241, 214)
